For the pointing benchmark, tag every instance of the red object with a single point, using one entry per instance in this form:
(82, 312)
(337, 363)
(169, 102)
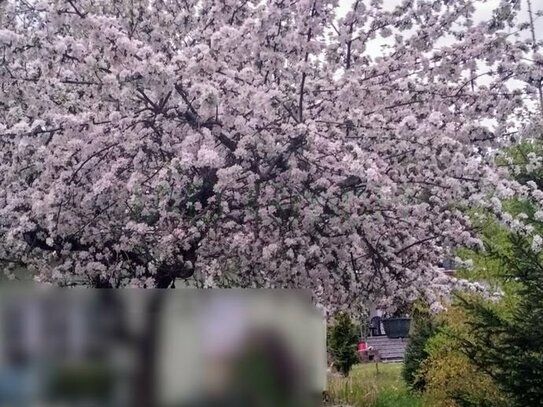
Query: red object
(361, 346)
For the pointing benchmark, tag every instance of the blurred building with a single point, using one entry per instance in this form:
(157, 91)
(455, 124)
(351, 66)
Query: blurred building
(101, 347)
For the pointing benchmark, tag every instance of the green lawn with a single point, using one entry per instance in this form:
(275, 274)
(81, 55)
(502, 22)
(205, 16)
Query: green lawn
(368, 386)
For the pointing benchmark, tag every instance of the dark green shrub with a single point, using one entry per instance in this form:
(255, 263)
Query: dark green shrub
(342, 343)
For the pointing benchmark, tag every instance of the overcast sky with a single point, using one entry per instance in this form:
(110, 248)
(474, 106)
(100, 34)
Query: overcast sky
(483, 12)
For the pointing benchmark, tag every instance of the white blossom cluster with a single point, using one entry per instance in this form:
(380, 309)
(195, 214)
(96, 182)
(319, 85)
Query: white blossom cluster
(251, 143)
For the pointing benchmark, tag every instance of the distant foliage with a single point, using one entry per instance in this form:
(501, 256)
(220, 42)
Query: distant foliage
(343, 338)
(449, 376)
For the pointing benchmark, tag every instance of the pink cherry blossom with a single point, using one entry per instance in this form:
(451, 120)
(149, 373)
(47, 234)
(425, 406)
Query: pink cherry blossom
(256, 144)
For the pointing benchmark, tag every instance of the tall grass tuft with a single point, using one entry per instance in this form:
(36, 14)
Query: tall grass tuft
(369, 385)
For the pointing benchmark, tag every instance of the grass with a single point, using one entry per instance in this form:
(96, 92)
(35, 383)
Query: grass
(371, 386)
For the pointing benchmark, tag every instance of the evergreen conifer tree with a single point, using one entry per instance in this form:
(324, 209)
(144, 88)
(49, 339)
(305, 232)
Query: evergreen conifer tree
(508, 346)
(423, 328)
(342, 342)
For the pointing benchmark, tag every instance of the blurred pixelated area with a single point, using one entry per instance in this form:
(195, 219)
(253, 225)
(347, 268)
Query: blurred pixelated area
(77, 347)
